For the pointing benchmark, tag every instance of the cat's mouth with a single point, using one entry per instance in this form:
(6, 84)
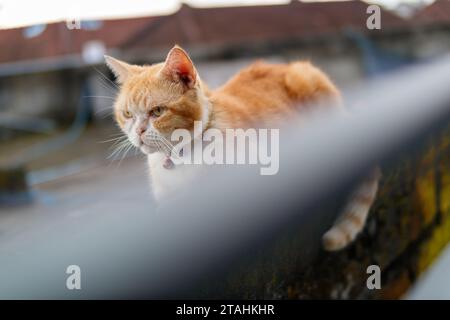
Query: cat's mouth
(147, 146)
(155, 146)
(155, 143)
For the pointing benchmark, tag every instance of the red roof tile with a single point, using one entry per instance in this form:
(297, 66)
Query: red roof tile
(58, 40)
(436, 13)
(208, 26)
(191, 26)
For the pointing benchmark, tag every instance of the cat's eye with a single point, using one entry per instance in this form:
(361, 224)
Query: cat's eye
(127, 114)
(156, 112)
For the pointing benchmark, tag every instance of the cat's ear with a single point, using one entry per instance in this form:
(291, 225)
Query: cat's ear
(120, 69)
(178, 67)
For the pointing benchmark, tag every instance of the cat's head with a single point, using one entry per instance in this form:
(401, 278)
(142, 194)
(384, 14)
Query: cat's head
(155, 100)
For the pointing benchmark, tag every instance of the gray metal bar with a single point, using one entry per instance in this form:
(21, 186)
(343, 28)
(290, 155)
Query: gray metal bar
(230, 211)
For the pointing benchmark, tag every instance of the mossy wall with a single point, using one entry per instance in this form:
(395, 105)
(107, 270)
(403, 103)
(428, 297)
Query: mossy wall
(408, 227)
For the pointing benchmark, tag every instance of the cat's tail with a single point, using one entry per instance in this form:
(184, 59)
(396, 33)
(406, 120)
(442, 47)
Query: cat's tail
(353, 218)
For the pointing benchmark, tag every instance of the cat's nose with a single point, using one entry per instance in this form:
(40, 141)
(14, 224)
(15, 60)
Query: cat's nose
(140, 130)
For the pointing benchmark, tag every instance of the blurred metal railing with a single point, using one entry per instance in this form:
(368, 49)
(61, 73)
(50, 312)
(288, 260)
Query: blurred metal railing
(231, 211)
(17, 174)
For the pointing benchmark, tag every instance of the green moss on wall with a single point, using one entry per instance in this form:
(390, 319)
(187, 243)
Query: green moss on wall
(408, 227)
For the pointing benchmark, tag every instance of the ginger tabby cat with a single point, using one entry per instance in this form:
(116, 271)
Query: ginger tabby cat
(155, 100)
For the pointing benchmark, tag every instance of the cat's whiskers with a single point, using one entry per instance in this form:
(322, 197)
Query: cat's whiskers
(120, 133)
(108, 111)
(130, 146)
(120, 147)
(122, 139)
(114, 86)
(115, 140)
(107, 86)
(120, 144)
(169, 147)
(156, 139)
(116, 152)
(158, 145)
(165, 148)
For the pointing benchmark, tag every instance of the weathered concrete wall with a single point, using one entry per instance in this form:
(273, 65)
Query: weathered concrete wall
(52, 94)
(408, 226)
(424, 43)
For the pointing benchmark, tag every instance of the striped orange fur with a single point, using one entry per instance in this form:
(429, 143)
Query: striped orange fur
(353, 218)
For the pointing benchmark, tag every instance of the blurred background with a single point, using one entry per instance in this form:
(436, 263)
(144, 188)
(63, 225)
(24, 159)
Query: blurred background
(58, 158)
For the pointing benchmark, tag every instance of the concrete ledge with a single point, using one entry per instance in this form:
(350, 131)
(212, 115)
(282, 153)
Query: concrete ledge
(408, 227)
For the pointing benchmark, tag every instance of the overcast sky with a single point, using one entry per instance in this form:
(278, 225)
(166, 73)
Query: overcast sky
(15, 13)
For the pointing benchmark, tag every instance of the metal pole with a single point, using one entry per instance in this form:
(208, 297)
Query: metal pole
(230, 211)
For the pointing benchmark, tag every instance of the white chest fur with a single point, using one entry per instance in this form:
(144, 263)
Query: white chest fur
(165, 181)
